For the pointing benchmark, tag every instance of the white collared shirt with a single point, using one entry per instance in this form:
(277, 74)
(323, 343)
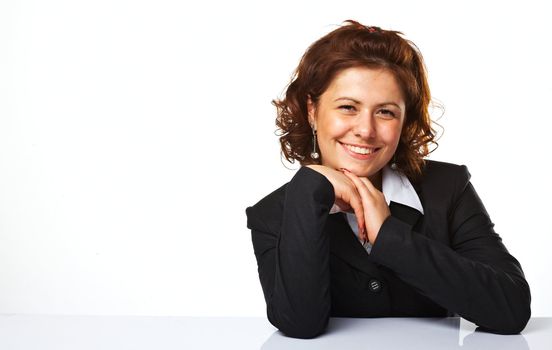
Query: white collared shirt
(395, 187)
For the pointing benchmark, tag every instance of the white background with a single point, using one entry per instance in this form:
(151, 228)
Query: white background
(133, 135)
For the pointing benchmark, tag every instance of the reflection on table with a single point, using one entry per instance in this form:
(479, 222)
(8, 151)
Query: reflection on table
(190, 333)
(408, 333)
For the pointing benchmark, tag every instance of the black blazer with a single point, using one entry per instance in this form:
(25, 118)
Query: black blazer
(445, 262)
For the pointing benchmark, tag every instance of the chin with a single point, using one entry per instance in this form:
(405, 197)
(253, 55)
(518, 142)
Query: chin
(362, 171)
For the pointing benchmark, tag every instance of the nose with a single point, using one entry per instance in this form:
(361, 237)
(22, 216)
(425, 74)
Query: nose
(365, 126)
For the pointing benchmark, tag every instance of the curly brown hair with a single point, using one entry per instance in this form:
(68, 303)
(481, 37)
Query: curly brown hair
(356, 45)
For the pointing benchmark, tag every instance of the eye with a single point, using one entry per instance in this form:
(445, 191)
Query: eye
(347, 108)
(386, 113)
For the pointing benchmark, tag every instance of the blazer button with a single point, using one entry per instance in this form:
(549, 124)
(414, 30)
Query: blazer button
(375, 286)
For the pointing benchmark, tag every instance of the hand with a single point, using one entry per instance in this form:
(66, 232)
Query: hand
(347, 197)
(375, 208)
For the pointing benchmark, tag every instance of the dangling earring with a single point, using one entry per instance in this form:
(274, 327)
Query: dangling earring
(394, 165)
(314, 154)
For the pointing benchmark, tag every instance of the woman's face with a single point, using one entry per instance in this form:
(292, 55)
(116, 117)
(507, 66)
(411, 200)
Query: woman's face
(358, 120)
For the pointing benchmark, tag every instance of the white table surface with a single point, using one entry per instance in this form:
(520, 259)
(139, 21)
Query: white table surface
(187, 333)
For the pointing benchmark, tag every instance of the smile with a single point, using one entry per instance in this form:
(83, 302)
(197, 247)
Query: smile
(360, 150)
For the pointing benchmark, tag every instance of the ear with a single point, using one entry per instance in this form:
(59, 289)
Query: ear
(311, 109)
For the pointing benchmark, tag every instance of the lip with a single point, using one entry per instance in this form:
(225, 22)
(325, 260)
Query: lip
(360, 156)
(358, 145)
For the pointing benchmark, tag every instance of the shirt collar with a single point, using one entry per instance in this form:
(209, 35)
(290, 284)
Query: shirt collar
(397, 188)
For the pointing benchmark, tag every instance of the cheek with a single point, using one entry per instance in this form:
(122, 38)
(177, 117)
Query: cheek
(391, 133)
(333, 127)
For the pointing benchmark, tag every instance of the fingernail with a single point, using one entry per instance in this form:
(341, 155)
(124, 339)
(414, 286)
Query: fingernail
(343, 169)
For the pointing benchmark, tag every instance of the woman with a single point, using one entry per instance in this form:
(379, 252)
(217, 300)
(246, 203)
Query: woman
(367, 227)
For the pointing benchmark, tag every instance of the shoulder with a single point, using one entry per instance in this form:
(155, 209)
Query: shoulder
(441, 181)
(443, 173)
(434, 170)
(265, 214)
(306, 186)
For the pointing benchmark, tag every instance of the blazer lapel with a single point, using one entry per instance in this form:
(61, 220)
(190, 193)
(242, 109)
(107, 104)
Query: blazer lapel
(405, 213)
(345, 245)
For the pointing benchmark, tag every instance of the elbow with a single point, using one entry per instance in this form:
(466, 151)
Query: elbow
(519, 313)
(306, 330)
(303, 327)
(511, 327)
(517, 322)
(512, 319)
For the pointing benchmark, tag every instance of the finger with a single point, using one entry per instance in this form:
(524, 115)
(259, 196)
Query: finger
(369, 184)
(356, 204)
(352, 198)
(366, 195)
(372, 188)
(362, 188)
(343, 206)
(356, 201)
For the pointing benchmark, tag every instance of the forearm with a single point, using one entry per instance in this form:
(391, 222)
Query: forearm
(295, 272)
(482, 283)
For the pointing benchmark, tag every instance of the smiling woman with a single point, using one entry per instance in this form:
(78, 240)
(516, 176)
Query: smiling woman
(368, 227)
(358, 121)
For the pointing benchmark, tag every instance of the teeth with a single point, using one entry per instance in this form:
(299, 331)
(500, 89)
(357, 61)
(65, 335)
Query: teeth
(361, 150)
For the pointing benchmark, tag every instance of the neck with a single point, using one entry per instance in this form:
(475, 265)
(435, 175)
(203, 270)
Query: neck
(376, 180)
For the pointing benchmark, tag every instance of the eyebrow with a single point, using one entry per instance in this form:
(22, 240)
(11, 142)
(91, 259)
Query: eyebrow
(358, 102)
(347, 98)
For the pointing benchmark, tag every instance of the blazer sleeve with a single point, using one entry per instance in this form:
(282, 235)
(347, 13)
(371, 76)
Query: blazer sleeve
(293, 259)
(475, 276)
